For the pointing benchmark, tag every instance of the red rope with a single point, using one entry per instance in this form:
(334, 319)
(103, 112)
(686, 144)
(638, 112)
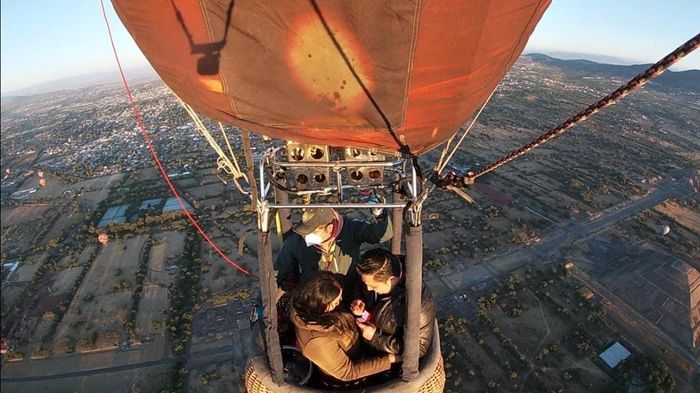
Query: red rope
(154, 154)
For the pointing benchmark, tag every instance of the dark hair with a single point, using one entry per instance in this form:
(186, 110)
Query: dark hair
(376, 262)
(311, 299)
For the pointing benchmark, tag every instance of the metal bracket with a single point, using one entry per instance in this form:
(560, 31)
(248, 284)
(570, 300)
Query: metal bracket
(263, 208)
(414, 213)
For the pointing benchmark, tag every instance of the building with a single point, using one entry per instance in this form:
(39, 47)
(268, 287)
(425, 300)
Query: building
(614, 355)
(8, 269)
(112, 215)
(149, 204)
(171, 205)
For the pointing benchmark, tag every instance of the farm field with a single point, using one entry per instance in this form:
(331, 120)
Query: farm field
(516, 336)
(154, 301)
(101, 303)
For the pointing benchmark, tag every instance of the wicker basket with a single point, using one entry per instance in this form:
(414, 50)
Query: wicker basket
(430, 380)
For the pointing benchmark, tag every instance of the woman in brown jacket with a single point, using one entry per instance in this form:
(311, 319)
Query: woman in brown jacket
(329, 337)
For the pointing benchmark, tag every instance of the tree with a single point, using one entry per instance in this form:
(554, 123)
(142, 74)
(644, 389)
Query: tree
(639, 370)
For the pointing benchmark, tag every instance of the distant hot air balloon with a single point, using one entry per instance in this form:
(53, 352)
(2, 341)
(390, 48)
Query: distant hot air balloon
(42, 182)
(365, 73)
(8, 171)
(103, 238)
(664, 230)
(40, 173)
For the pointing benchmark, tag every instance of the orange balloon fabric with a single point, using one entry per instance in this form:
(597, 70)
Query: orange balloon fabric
(361, 73)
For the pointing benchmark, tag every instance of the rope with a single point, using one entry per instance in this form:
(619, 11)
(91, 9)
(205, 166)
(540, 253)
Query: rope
(154, 154)
(637, 82)
(228, 165)
(445, 159)
(245, 137)
(442, 165)
(230, 150)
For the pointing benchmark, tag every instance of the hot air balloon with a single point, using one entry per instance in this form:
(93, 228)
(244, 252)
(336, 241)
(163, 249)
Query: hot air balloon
(362, 73)
(350, 86)
(664, 229)
(42, 182)
(103, 238)
(40, 173)
(357, 86)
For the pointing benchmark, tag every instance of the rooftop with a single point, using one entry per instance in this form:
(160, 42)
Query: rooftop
(614, 355)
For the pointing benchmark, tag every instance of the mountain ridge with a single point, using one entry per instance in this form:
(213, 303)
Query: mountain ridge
(687, 80)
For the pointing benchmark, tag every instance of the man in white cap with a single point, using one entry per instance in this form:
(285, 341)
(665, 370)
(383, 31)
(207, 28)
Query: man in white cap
(326, 240)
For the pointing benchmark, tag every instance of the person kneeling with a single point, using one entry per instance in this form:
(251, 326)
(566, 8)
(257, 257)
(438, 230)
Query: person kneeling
(381, 310)
(328, 337)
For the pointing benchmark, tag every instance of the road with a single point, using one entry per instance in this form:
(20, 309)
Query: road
(86, 373)
(201, 356)
(665, 190)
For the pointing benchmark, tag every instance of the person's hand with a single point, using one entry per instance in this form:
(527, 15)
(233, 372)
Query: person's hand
(367, 330)
(377, 211)
(394, 358)
(357, 307)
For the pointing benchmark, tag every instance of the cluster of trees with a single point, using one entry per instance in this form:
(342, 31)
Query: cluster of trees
(90, 342)
(505, 296)
(168, 221)
(58, 316)
(69, 344)
(435, 263)
(183, 294)
(643, 373)
(456, 359)
(523, 234)
(492, 211)
(141, 270)
(206, 377)
(122, 285)
(552, 349)
(229, 296)
(584, 321)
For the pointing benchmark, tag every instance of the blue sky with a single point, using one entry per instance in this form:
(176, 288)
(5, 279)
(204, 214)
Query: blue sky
(44, 40)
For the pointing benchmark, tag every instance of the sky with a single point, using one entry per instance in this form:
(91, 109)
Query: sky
(44, 40)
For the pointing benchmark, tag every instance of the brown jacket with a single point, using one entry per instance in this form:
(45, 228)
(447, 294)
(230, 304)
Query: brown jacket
(336, 353)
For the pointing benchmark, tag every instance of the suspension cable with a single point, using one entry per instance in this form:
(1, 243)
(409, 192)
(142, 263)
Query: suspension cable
(228, 165)
(441, 166)
(248, 154)
(154, 154)
(233, 156)
(637, 82)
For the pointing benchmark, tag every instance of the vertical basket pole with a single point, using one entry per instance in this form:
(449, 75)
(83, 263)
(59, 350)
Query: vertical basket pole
(397, 223)
(414, 281)
(268, 289)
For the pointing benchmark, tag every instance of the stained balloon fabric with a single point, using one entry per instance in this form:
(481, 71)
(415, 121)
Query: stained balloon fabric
(361, 73)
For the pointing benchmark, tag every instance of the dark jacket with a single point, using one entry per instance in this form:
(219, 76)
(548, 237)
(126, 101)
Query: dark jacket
(297, 263)
(335, 352)
(389, 317)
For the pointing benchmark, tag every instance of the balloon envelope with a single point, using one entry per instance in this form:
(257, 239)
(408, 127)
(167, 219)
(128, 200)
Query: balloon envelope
(339, 73)
(103, 238)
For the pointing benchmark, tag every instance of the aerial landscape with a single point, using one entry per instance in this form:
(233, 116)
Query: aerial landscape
(586, 245)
